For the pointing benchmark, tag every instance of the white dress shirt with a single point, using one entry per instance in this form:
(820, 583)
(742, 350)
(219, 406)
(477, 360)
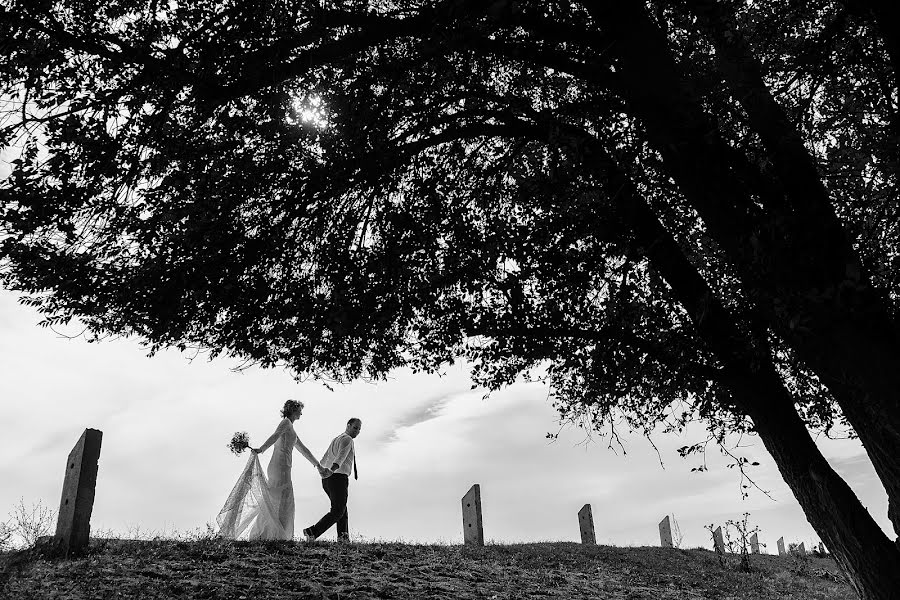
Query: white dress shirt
(340, 451)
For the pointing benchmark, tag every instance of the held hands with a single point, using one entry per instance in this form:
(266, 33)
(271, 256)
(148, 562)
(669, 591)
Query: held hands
(255, 450)
(323, 472)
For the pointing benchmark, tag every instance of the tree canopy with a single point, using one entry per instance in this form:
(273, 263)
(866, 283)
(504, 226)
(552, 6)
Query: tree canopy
(663, 207)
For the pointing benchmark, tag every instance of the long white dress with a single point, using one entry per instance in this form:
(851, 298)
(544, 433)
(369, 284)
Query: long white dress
(261, 508)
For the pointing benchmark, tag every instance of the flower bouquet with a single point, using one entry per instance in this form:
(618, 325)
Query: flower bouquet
(240, 441)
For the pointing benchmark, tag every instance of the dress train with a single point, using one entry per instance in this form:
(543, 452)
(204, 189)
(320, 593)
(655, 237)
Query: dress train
(252, 511)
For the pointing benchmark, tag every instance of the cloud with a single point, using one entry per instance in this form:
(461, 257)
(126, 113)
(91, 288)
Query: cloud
(856, 469)
(428, 410)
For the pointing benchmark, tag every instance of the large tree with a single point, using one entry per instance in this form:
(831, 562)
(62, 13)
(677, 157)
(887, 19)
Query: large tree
(670, 210)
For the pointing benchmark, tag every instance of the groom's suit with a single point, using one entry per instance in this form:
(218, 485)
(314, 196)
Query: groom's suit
(341, 458)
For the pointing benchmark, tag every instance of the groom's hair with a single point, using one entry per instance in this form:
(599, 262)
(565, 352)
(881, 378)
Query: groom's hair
(354, 420)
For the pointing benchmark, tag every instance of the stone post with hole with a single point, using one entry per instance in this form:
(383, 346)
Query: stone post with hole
(586, 525)
(781, 551)
(665, 533)
(73, 526)
(473, 530)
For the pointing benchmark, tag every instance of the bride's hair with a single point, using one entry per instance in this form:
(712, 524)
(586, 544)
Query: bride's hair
(290, 407)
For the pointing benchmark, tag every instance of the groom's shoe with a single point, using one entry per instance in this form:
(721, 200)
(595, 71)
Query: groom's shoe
(344, 538)
(308, 534)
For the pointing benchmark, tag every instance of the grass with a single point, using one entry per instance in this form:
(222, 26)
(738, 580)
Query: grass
(207, 567)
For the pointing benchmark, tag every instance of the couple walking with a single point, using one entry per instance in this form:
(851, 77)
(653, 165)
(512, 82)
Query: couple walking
(261, 507)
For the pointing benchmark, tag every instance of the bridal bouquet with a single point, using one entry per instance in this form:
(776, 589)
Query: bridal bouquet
(240, 441)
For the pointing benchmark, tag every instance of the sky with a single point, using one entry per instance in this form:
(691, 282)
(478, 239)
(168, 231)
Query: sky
(165, 469)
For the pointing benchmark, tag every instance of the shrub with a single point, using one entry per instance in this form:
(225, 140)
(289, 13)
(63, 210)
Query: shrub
(27, 524)
(6, 537)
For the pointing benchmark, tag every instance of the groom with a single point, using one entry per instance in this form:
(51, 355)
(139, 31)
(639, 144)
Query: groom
(341, 459)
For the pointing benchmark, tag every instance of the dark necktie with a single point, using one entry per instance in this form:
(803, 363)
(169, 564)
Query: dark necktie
(355, 476)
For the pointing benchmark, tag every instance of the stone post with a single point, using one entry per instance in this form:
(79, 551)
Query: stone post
(821, 548)
(473, 530)
(73, 526)
(718, 542)
(801, 549)
(781, 551)
(754, 544)
(665, 533)
(586, 525)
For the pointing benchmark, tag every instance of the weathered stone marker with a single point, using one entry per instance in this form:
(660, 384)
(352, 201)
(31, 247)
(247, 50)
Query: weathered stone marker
(801, 549)
(586, 525)
(665, 533)
(73, 526)
(754, 544)
(718, 542)
(473, 530)
(781, 551)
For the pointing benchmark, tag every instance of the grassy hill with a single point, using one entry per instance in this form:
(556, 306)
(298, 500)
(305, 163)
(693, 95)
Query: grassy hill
(212, 568)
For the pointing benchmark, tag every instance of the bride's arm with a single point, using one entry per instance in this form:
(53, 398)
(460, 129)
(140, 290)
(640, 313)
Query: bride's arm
(272, 438)
(305, 452)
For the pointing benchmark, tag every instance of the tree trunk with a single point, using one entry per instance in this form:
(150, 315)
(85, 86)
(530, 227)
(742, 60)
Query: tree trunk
(862, 369)
(846, 337)
(871, 561)
(867, 556)
(828, 313)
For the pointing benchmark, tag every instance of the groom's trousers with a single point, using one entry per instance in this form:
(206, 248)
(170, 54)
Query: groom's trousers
(337, 487)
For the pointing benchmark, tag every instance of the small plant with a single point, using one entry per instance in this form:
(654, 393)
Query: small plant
(720, 552)
(135, 532)
(30, 523)
(736, 538)
(799, 560)
(741, 543)
(828, 575)
(205, 533)
(677, 536)
(6, 537)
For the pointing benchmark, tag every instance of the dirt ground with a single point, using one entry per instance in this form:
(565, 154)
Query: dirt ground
(213, 568)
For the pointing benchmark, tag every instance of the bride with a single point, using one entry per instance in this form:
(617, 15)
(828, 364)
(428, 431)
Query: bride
(261, 508)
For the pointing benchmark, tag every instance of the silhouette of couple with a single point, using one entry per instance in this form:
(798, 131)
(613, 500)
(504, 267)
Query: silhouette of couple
(262, 508)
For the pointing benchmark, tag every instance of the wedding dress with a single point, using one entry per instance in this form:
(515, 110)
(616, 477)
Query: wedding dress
(261, 508)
